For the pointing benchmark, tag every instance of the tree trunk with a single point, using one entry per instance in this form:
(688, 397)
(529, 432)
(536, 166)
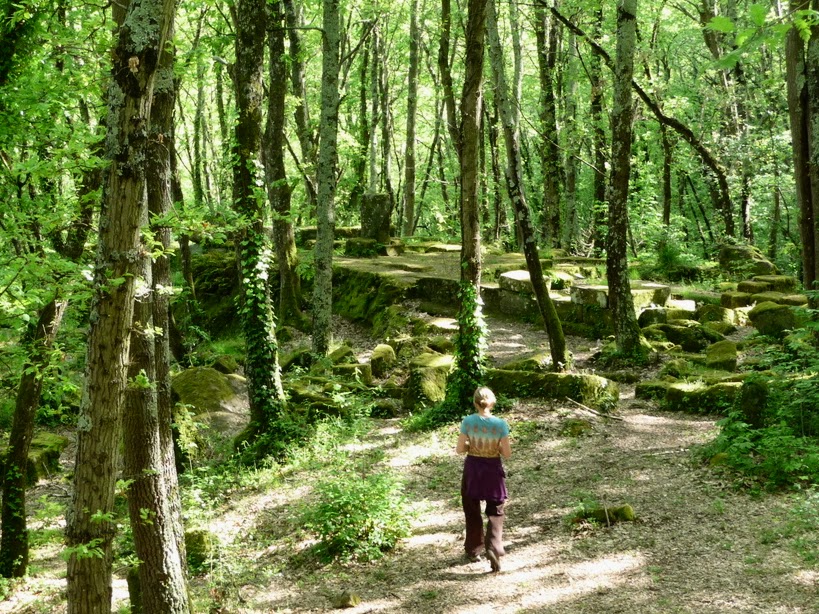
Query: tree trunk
(262, 363)
(552, 169)
(278, 187)
(360, 162)
(621, 303)
(801, 71)
(598, 138)
(14, 551)
(90, 527)
(572, 225)
(514, 183)
(446, 75)
(667, 162)
(412, 106)
(472, 334)
(327, 162)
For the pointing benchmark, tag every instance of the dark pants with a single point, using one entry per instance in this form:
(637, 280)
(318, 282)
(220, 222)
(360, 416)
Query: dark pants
(475, 540)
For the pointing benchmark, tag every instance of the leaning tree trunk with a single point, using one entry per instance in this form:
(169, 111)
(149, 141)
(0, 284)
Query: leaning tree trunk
(327, 162)
(90, 527)
(278, 188)
(514, 184)
(621, 303)
(262, 363)
(14, 552)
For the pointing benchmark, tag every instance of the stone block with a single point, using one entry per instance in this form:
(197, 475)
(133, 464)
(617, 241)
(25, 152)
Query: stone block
(779, 283)
(734, 299)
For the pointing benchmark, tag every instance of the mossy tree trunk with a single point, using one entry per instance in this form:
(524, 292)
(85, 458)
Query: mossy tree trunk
(278, 188)
(471, 336)
(258, 325)
(327, 162)
(621, 303)
(514, 184)
(143, 32)
(412, 106)
(14, 551)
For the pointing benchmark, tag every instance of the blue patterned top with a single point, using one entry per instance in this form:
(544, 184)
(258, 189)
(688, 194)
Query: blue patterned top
(485, 434)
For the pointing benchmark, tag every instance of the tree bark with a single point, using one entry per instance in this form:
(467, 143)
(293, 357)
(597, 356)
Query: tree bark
(262, 363)
(621, 303)
(412, 106)
(514, 183)
(90, 527)
(327, 162)
(278, 187)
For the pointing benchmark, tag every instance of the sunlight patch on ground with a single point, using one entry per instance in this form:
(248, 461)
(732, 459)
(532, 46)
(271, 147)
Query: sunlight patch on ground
(806, 577)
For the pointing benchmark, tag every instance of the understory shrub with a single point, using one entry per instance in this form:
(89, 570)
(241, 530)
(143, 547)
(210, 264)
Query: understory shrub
(357, 517)
(784, 451)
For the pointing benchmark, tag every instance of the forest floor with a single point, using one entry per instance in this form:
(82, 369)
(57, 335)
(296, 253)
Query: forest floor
(699, 544)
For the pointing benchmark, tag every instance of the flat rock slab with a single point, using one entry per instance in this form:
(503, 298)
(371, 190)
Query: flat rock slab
(645, 293)
(779, 283)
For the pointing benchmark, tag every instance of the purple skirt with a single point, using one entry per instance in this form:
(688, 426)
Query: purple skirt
(483, 479)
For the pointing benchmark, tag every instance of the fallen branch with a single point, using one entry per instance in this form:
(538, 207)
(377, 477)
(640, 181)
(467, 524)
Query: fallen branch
(594, 411)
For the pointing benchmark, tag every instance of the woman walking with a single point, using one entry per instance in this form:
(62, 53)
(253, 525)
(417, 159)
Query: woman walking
(484, 439)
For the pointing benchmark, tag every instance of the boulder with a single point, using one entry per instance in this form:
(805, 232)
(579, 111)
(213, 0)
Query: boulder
(226, 363)
(426, 385)
(652, 390)
(714, 313)
(722, 355)
(441, 344)
(773, 320)
(360, 247)
(201, 547)
(203, 390)
(652, 315)
(753, 287)
(721, 328)
(382, 359)
(770, 295)
(690, 335)
(342, 355)
(745, 260)
(361, 372)
(797, 300)
(734, 299)
(779, 283)
(591, 390)
(700, 398)
(301, 357)
(680, 314)
(538, 361)
(518, 281)
(753, 400)
(390, 322)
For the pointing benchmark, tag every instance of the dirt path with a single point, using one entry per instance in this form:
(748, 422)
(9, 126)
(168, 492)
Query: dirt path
(698, 545)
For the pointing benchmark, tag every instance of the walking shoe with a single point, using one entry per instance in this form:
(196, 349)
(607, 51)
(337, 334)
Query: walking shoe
(473, 558)
(494, 560)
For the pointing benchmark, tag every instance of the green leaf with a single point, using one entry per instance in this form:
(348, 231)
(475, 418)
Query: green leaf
(721, 24)
(758, 14)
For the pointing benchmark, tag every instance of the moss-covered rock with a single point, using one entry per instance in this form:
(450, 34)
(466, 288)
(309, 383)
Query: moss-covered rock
(441, 344)
(591, 390)
(773, 320)
(226, 363)
(651, 390)
(700, 398)
(203, 389)
(779, 283)
(714, 313)
(721, 328)
(426, 385)
(300, 357)
(382, 359)
(652, 315)
(690, 335)
(43, 456)
(722, 355)
(745, 260)
(538, 361)
(391, 322)
(770, 295)
(216, 279)
(753, 401)
(201, 547)
(797, 300)
(753, 287)
(734, 299)
(358, 371)
(342, 355)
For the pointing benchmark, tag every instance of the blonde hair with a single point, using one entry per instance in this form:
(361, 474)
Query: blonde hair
(484, 397)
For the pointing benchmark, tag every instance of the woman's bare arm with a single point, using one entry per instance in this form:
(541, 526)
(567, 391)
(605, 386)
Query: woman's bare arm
(505, 448)
(463, 444)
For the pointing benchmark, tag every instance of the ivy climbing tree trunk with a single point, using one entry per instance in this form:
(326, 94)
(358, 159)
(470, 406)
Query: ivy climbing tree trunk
(471, 337)
(262, 362)
(621, 303)
(90, 529)
(514, 184)
(327, 162)
(278, 188)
